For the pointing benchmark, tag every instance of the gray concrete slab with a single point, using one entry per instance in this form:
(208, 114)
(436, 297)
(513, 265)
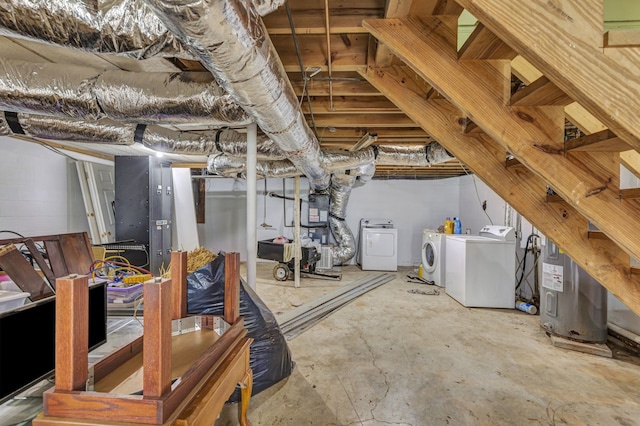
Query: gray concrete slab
(393, 357)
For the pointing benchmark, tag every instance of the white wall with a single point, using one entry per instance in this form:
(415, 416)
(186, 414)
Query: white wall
(39, 191)
(412, 205)
(473, 192)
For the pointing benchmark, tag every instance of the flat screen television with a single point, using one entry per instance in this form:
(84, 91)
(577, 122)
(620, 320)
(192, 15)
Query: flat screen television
(27, 340)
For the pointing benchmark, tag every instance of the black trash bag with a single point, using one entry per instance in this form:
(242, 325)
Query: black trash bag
(270, 357)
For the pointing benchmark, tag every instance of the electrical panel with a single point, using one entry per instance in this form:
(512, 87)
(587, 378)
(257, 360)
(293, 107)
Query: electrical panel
(143, 210)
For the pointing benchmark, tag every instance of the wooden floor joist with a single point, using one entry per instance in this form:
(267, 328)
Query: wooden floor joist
(521, 188)
(541, 92)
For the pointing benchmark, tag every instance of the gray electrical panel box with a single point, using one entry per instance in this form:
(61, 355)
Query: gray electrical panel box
(143, 208)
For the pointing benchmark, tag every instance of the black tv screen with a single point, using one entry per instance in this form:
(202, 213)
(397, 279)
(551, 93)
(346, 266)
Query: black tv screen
(27, 340)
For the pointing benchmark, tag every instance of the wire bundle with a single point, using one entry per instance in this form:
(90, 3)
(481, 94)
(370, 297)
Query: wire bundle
(119, 271)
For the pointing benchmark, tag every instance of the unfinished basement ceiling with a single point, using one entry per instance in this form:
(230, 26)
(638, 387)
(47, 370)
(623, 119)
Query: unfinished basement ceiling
(343, 110)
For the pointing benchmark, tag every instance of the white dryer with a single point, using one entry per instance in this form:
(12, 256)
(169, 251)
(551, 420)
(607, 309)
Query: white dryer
(378, 245)
(433, 256)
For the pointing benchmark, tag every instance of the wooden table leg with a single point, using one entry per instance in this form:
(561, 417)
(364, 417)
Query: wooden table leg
(246, 386)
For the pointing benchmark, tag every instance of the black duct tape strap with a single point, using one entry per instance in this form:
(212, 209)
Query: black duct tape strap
(218, 147)
(347, 172)
(13, 122)
(426, 152)
(140, 129)
(375, 152)
(342, 219)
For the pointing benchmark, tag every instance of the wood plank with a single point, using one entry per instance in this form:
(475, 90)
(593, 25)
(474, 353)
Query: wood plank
(115, 359)
(541, 92)
(483, 44)
(534, 135)
(351, 105)
(77, 253)
(231, 287)
(312, 21)
(512, 162)
(72, 332)
(520, 187)
(340, 88)
(22, 273)
(200, 199)
(564, 41)
(371, 121)
(178, 284)
(604, 140)
(622, 38)
(56, 257)
(583, 119)
(157, 338)
(629, 193)
(42, 264)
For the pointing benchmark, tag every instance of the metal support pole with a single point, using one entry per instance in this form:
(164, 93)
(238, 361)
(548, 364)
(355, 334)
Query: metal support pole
(252, 224)
(296, 237)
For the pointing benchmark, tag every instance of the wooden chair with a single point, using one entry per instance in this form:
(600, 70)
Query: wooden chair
(194, 395)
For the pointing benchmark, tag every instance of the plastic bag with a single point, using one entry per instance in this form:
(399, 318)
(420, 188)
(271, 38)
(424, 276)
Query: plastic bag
(270, 357)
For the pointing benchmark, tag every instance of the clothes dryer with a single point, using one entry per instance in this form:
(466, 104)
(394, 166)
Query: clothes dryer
(433, 256)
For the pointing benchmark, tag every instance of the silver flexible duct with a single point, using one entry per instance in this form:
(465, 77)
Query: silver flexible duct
(158, 138)
(341, 185)
(232, 42)
(102, 26)
(396, 155)
(86, 93)
(5, 130)
(100, 132)
(235, 167)
(265, 7)
(333, 160)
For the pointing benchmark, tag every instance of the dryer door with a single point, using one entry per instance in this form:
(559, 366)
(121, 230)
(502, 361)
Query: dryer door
(429, 257)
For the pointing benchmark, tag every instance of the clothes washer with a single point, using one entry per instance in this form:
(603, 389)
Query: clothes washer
(433, 256)
(481, 268)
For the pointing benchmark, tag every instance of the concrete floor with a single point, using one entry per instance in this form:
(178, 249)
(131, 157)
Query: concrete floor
(392, 357)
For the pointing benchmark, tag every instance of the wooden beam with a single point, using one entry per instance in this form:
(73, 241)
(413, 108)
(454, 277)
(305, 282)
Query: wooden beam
(521, 188)
(393, 9)
(540, 92)
(364, 120)
(483, 44)
(564, 41)
(312, 22)
(534, 135)
(604, 140)
(340, 88)
(629, 193)
(351, 105)
(622, 38)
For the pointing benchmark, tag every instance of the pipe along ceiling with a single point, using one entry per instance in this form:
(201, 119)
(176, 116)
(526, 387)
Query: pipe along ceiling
(247, 83)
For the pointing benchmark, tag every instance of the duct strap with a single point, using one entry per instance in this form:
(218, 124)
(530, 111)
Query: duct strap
(375, 152)
(13, 122)
(140, 129)
(342, 219)
(218, 147)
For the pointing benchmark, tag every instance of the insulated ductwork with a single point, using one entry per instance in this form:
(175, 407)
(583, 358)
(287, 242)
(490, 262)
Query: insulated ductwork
(341, 185)
(230, 167)
(119, 26)
(396, 155)
(102, 26)
(232, 42)
(158, 138)
(86, 93)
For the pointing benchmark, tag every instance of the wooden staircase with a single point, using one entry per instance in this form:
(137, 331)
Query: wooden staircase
(557, 50)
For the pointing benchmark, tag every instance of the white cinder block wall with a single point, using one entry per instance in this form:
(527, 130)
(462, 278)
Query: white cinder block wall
(39, 191)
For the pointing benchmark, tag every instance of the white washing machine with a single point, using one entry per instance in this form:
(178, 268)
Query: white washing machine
(378, 245)
(433, 256)
(481, 268)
